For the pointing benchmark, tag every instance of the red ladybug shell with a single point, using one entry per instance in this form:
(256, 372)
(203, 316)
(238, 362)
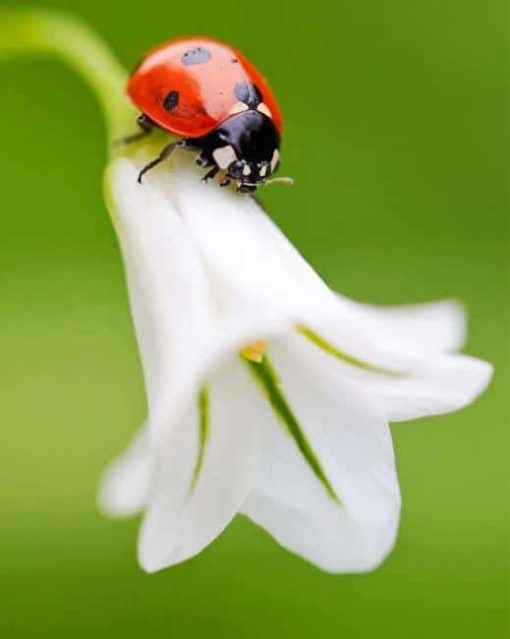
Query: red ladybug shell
(187, 86)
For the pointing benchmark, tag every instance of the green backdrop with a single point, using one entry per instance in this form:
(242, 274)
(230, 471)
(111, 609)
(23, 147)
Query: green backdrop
(396, 135)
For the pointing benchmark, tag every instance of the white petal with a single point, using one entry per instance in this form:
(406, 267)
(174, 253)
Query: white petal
(245, 249)
(170, 295)
(435, 386)
(438, 326)
(186, 321)
(416, 383)
(178, 523)
(124, 486)
(350, 436)
(188, 317)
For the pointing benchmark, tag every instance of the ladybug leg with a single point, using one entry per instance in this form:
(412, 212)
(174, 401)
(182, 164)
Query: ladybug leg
(166, 152)
(210, 174)
(146, 125)
(203, 161)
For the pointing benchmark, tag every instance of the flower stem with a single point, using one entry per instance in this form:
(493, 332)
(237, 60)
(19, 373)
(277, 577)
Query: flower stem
(47, 32)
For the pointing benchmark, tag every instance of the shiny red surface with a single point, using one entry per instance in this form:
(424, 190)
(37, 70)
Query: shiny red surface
(206, 91)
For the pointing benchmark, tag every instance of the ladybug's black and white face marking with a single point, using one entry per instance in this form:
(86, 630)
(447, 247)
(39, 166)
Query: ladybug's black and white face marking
(245, 146)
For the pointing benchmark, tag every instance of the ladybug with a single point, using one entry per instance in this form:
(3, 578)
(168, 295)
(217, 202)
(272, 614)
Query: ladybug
(219, 105)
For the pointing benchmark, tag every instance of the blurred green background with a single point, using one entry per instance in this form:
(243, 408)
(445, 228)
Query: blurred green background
(397, 136)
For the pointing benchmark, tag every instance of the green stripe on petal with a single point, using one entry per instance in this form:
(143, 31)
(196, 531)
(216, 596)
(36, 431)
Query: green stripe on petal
(204, 421)
(268, 380)
(327, 347)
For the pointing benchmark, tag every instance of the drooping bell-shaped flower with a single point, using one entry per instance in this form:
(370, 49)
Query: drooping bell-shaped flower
(268, 393)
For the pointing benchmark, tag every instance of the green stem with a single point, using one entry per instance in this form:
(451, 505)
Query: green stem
(47, 32)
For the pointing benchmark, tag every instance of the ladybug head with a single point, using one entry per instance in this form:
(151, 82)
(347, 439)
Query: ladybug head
(246, 147)
(249, 175)
(248, 182)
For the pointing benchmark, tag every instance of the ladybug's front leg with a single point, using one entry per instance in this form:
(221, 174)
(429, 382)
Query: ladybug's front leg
(210, 174)
(166, 152)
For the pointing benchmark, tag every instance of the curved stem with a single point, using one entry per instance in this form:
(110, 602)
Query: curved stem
(47, 32)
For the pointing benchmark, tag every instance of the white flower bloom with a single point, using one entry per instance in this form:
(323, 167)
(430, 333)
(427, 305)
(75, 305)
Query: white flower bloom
(268, 394)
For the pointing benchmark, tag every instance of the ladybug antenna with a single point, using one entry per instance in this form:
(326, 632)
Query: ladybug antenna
(280, 180)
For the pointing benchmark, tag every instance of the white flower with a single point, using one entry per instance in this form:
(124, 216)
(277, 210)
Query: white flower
(268, 393)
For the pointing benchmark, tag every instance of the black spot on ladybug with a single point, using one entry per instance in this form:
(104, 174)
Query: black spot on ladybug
(171, 100)
(197, 55)
(248, 93)
(234, 60)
